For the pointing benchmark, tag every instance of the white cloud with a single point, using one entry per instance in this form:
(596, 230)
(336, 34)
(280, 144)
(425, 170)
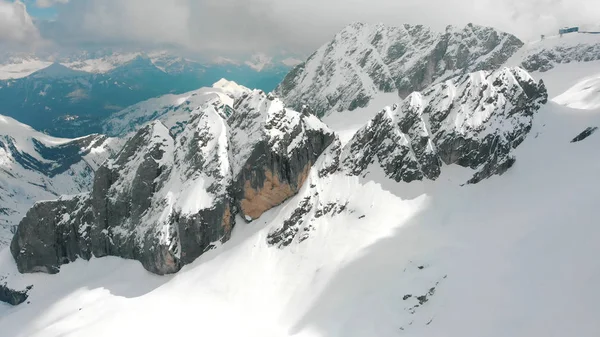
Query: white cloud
(49, 3)
(16, 26)
(257, 25)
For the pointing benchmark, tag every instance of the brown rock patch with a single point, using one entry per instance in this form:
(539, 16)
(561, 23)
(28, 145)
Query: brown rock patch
(271, 194)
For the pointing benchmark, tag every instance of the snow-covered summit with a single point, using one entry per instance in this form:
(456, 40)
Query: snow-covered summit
(365, 60)
(100, 64)
(329, 251)
(173, 110)
(230, 87)
(259, 61)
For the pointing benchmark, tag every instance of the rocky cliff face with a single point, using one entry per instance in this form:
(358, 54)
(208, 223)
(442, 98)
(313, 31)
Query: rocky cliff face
(364, 60)
(474, 121)
(164, 200)
(273, 150)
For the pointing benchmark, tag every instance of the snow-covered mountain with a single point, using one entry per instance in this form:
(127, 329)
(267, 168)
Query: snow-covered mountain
(475, 121)
(165, 200)
(173, 191)
(357, 256)
(66, 102)
(281, 224)
(71, 95)
(364, 60)
(35, 166)
(173, 110)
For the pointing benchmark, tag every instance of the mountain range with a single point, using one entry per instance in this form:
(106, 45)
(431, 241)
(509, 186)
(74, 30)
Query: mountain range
(71, 97)
(399, 181)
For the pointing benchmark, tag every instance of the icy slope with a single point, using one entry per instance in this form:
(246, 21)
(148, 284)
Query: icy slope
(364, 60)
(35, 166)
(513, 255)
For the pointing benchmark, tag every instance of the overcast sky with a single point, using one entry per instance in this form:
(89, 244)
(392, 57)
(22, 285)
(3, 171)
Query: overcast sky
(246, 26)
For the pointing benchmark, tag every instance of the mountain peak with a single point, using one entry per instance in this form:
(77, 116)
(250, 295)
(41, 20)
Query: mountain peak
(230, 87)
(364, 60)
(57, 70)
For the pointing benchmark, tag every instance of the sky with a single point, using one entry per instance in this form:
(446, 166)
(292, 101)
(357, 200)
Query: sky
(246, 26)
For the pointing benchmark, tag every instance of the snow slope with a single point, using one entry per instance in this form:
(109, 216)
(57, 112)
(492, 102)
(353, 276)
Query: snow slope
(520, 263)
(35, 166)
(583, 95)
(514, 255)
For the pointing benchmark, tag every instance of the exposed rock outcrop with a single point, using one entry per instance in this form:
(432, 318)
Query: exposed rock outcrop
(474, 121)
(273, 149)
(164, 201)
(584, 134)
(13, 297)
(546, 54)
(143, 204)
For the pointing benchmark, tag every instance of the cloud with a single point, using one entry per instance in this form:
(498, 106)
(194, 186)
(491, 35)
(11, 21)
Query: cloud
(49, 3)
(16, 26)
(229, 26)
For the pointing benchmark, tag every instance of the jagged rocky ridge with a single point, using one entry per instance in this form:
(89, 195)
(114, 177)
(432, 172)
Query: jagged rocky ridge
(474, 121)
(549, 52)
(364, 60)
(165, 200)
(35, 166)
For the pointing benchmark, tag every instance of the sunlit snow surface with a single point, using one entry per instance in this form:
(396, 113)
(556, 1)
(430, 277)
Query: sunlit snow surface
(583, 95)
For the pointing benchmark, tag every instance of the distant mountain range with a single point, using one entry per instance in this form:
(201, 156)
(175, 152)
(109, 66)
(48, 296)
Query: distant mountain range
(69, 96)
